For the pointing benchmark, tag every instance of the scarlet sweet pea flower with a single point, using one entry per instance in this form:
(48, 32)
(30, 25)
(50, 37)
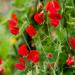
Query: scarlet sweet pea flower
(1, 61)
(1, 70)
(55, 15)
(13, 27)
(54, 22)
(70, 61)
(22, 61)
(20, 66)
(31, 30)
(72, 42)
(33, 56)
(38, 17)
(22, 50)
(14, 17)
(14, 30)
(53, 6)
(11, 24)
(54, 19)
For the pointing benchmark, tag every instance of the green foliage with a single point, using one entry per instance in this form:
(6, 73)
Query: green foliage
(48, 39)
(4, 45)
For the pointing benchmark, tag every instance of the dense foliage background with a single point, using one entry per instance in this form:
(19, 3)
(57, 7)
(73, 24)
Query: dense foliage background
(49, 39)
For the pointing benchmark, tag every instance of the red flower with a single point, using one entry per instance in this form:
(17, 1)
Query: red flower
(54, 19)
(72, 46)
(72, 43)
(31, 30)
(22, 61)
(23, 51)
(13, 28)
(20, 66)
(54, 22)
(1, 61)
(14, 17)
(38, 17)
(49, 55)
(11, 24)
(70, 61)
(1, 71)
(55, 16)
(53, 6)
(33, 56)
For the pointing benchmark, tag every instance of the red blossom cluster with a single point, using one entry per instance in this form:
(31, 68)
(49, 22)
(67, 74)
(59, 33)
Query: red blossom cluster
(1, 68)
(1, 61)
(13, 24)
(70, 60)
(53, 8)
(72, 42)
(39, 17)
(23, 51)
(33, 56)
(31, 30)
(21, 65)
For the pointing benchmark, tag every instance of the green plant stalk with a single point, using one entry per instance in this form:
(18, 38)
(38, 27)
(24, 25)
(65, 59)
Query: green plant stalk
(26, 41)
(45, 53)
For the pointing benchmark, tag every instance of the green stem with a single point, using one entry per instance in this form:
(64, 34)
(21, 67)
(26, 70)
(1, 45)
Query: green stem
(26, 41)
(56, 63)
(45, 53)
(21, 29)
(15, 49)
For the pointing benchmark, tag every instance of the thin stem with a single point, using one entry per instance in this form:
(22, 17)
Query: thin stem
(26, 41)
(21, 29)
(15, 49)
(57, 57)
(45, 53)
(37, 70)
(45, 38)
